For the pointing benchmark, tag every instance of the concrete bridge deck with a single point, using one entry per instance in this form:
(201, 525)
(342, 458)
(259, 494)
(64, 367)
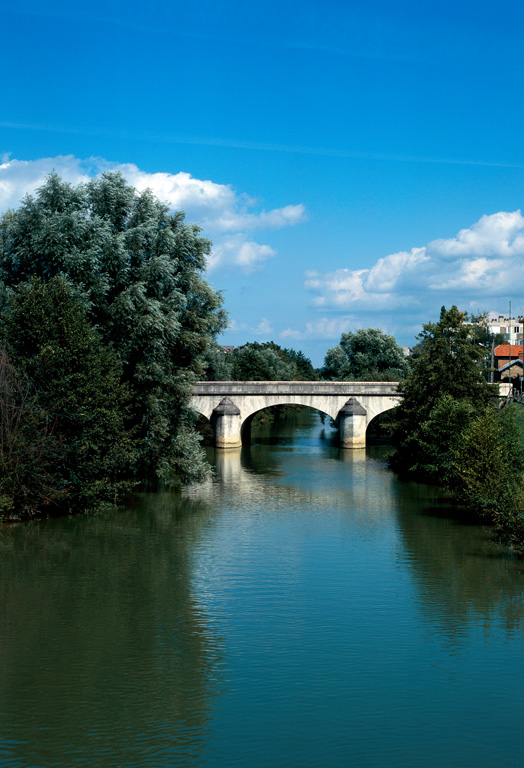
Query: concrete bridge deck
(230, 405)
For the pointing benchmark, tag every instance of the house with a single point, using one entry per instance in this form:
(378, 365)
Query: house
(509, 362)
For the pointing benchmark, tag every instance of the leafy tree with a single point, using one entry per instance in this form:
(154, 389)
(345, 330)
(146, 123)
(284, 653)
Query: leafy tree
(365, 355)
(78, 387)
(488, 472)
(444, 388)
(138, 272)
(304, 370)
(478, 327)
(217, 363)
(259, 362)
(437, 436)
(480, 333)
(27, 447)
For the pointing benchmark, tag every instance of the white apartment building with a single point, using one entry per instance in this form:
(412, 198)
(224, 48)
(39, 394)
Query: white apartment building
(511, 328)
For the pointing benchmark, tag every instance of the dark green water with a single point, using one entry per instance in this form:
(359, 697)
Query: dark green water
(304, 609)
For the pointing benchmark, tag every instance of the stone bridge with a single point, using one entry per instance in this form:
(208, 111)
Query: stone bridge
(231, 405)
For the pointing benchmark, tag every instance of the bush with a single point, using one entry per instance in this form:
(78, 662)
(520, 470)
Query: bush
(488, 473)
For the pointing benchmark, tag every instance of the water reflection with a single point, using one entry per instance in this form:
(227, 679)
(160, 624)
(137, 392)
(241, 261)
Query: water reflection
(460, 573)
(302, 607)
(105, 656)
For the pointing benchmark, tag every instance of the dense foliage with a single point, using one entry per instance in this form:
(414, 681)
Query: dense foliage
(79, 391)
(488, 471)
(365, 355)
(27, 446)
(130, 276)
(444, 389)
(258, 362)
(448, 429)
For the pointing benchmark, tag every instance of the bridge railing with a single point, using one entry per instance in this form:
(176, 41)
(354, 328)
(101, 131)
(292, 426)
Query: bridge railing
(339, 388)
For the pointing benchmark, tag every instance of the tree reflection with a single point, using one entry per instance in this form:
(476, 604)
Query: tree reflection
(461, 574)
(106, 657)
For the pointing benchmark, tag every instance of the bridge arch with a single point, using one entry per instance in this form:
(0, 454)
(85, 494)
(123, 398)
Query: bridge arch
(229, 404)
(245, 427)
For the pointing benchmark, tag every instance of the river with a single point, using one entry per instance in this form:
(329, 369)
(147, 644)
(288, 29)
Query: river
(303, 609)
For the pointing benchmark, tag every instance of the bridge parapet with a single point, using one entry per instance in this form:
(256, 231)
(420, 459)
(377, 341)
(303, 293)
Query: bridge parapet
(366, 400)
(331, 388)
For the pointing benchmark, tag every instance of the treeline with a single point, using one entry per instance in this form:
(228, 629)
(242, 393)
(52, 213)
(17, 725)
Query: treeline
(258, 362)
(364, 355)
(450, 430)
(105, 319)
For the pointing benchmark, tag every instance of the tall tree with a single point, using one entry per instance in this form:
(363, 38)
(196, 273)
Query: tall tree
(80, 401)
(444, 388)
(365, 355)
(27, 447)
(261, 362)
(139, 272)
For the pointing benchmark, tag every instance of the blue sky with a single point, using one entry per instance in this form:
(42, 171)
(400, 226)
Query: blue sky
(356, 165)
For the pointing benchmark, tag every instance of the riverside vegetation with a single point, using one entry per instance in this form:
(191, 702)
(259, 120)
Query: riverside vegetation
(106, 323)
(450, 431)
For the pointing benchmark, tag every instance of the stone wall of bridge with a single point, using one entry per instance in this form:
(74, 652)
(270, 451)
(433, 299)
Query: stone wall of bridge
(353, 405)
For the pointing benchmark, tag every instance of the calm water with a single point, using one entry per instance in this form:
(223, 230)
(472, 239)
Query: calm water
(303, 609)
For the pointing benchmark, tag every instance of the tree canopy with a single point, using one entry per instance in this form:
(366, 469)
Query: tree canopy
(135, 271)
(445, 387)
(365, 355)
(256, 361)
(79, 393)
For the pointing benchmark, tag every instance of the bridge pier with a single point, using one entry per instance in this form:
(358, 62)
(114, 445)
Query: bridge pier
(226, 423)
(352, 423)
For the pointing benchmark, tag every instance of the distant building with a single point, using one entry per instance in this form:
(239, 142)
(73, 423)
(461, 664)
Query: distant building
(509, 362)
(511, 328)
(407, 351)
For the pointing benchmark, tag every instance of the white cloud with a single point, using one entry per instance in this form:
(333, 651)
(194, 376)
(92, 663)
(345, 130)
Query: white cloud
(481, 263)
(263, 328)
(19, 178)
(501, 234)
(246, 254)
(224, 214)
(324, 328)
(278, 218)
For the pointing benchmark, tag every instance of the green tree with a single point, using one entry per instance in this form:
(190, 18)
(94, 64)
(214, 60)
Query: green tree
(488, 472)
(444, 388)
(480, 333)
(138, 271)
(77, 381)
(304, 370)
(260, 362)
(217, 363)
(256, 361)
(365, 355)
(27, 447)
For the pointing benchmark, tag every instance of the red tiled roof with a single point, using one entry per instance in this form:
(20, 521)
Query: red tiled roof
(503, 350)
